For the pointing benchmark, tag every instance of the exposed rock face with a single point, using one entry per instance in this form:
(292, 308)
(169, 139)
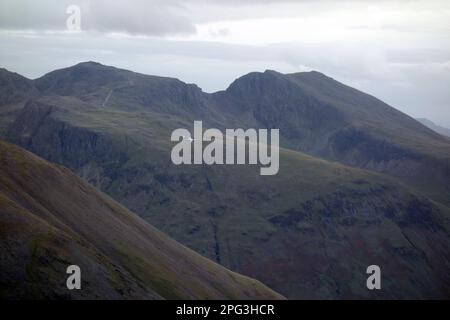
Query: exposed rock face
(58, 141)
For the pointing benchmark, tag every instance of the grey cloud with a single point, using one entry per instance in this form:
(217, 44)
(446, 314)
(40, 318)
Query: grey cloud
(417, 88)
(420, 55)
(138, 17)
(412, 75)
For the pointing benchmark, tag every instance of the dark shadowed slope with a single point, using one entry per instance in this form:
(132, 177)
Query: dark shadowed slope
(50, 219)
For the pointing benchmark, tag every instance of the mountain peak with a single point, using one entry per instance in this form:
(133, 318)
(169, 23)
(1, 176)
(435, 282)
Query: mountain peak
(92, 64)
(272, 72)
(5, 73)
(80, 78)
(256, 81)
(313, 74)
(89, 63)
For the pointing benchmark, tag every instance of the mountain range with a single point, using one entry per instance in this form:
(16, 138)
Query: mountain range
(360, 183)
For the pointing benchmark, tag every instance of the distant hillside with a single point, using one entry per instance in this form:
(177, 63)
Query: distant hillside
(315, 114)
(50, 219)
(308, 232)
(430, 124)
(322, 117)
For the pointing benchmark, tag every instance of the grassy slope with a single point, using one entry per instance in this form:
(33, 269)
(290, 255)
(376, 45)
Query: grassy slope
(50, 219)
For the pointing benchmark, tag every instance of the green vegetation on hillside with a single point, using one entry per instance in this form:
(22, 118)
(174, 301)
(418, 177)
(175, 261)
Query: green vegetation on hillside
(50, 219)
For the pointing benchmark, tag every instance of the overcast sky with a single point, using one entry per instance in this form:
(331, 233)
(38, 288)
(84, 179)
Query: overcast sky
(398, 51)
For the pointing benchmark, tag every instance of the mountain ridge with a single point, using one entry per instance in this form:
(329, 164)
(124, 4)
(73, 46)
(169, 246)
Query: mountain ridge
(439, 129)
(298, 224)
